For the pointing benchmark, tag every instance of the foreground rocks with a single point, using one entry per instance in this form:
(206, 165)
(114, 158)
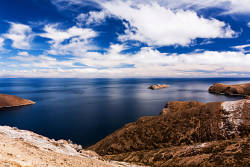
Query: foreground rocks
(158, 86)
(13, 101)
(20, 148)
(231, 90)
(185, 134)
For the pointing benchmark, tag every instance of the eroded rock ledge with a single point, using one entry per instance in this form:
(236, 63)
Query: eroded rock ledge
(13, 101)
(185, 134)
(21, 148)
(231, 90)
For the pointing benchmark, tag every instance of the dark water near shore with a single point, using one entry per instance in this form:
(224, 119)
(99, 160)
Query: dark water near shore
(86, 110)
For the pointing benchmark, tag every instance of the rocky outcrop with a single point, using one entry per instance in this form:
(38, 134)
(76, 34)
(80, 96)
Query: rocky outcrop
(21, 148)
(231, 90)
(13, 101)
(158, 86)
(186, 133)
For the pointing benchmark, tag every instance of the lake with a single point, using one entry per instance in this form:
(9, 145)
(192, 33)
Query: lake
(87, 110)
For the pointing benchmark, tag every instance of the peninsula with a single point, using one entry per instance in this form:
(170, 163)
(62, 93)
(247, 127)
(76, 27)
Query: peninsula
(231, 90)
(13, 101)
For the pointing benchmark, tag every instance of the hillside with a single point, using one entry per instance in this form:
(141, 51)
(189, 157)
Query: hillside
(186, 133)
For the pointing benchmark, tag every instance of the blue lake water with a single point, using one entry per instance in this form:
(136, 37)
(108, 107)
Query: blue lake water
(87, 110)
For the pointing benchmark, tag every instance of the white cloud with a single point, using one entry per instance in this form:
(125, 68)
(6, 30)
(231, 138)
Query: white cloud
(57, 36)
(229, 6)
(78, 39)
(242, 48)
(24, 57)
(92, 17)
(248, 24)
(25, 60)
(147, 62)
(66, 4)
(23, 54)
(148, 57)
(20, 34)
(156, 25)
(1, 43)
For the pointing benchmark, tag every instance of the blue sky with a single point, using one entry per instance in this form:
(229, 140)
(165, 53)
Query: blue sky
(122, 38)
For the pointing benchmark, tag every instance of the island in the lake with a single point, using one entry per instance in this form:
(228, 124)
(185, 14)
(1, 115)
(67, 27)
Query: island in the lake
(7, 101)
(158, 86)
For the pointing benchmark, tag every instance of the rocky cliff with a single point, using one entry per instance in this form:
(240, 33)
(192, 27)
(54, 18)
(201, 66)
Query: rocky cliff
(13, 101)
(185, 134)
(231, 90)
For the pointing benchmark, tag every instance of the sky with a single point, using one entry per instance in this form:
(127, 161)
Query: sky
(124, 38)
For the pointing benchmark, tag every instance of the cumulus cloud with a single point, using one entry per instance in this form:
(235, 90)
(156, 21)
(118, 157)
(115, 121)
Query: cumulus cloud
(159, 22)
(156, 25)
(21, 35)
(248, 24)
(78, 39)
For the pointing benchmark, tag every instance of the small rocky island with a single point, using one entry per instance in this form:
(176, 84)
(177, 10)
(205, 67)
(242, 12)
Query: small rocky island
(158, 86)
(231, 90)
(13, 101)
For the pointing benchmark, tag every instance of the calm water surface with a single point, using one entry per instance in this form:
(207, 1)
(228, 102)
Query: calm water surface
(86, 110)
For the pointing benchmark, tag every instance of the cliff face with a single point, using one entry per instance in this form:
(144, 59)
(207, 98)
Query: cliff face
(21, 148)
(13, 101)
(231, 90)
(183, 131)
